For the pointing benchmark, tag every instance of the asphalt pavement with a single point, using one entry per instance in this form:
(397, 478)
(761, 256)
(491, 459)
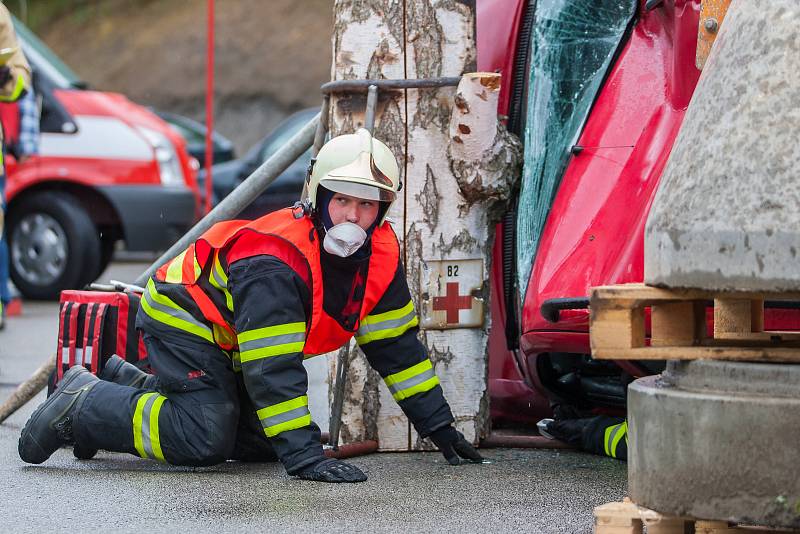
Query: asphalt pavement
(520, 490)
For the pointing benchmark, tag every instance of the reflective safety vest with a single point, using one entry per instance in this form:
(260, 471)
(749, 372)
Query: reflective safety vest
(295, 242)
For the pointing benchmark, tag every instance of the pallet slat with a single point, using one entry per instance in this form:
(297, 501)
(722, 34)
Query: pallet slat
(678, 325)
(627, 517)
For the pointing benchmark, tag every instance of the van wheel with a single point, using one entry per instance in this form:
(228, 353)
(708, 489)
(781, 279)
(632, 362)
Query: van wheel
(52, 244)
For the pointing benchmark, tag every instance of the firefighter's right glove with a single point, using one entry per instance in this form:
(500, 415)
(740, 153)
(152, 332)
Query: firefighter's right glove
(454, 446)
(332, 470)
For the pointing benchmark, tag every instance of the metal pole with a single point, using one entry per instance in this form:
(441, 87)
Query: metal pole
(243, 195)
(322, 126)
(362, 86)
(209, 106)
(372, 103)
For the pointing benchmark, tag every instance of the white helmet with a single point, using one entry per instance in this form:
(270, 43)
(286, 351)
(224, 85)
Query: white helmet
(357, 165)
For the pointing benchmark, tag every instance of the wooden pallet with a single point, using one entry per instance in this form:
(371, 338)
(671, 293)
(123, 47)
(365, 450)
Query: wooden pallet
(678, 325)
(628, 518)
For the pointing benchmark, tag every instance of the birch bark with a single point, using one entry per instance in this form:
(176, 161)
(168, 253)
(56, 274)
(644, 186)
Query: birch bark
(457, 166)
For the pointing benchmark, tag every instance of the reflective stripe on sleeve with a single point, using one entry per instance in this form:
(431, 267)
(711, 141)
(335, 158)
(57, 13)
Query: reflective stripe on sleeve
(613, 435)
(417, 379)
(164, 310)
(288, 415)
(219, 279)
(19, 86)
(146, 438)
(271, 341)
(387, 325)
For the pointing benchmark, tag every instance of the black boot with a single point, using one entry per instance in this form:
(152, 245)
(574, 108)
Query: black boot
(121, 372)
(50, 426)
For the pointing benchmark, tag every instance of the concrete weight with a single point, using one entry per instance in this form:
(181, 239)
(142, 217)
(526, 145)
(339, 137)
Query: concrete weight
(718, 441)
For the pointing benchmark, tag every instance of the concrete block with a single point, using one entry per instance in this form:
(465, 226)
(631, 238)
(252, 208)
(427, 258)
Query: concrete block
(727, 212)
(718, 441)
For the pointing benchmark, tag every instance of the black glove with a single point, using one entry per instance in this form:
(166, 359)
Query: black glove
(453, 445)
(5, 75)
(332, 470)
(568, 430)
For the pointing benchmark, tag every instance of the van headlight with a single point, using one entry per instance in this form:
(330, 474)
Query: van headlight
(169, 167)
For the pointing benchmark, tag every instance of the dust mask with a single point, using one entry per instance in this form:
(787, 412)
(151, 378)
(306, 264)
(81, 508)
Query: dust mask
(344, 239)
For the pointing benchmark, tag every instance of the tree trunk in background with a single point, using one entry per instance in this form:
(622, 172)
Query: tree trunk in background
(457, 165)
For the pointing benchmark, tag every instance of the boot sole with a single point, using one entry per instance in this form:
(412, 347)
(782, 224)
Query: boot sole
(25, 435)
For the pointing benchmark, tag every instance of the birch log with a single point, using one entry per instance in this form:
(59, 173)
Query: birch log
(457, 164)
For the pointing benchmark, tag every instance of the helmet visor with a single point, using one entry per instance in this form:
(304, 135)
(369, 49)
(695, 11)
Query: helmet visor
(359, 189)
(362, 179)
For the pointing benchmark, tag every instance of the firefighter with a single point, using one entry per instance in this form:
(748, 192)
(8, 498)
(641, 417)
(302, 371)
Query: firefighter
(228, 322)
(602, 434)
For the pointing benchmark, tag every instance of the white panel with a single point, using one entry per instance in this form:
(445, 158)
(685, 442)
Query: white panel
(97, 137)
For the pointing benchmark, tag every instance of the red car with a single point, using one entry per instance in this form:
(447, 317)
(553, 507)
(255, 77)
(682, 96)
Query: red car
(597, 94)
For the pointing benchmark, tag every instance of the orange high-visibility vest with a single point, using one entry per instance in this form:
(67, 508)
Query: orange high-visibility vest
(294, 241)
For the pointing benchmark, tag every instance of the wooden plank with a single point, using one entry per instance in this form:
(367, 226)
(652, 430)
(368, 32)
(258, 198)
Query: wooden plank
(617, 518)
(714, 527)
(666, 525)
(613, 328)
(674, 324)
(641, 292)
(732, 316)
(755, 354)
(628, 518)
(757, 315)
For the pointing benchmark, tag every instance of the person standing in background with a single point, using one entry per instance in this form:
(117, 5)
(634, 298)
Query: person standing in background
(15, 81)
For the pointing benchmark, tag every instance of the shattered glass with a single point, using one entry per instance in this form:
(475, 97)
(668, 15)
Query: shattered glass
(572, 46)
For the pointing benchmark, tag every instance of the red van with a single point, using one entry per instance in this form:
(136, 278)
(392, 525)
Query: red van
(108, 170)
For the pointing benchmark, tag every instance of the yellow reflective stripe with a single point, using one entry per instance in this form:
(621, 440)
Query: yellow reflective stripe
(282, 407)
(387, 325)
(417, 379)
(387, 333)
(612, 437)
(19, 86)
(294, 424)
(419, 388)
(155, 439)
(171, 319)
(269, 352)
(389, 315)
(137, 424)
(219, 280)
(175, 269)
(288, 415)
(146, 439)
(271, 331)
(271, 341)
(402, 376)
(220, 271)
(622, 432)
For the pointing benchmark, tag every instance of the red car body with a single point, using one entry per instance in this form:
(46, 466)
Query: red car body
(594, 232)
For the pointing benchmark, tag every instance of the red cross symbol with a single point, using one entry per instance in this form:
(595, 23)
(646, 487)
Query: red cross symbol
(452, 302)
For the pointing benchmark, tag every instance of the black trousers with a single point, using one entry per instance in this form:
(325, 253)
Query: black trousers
(199, 413)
